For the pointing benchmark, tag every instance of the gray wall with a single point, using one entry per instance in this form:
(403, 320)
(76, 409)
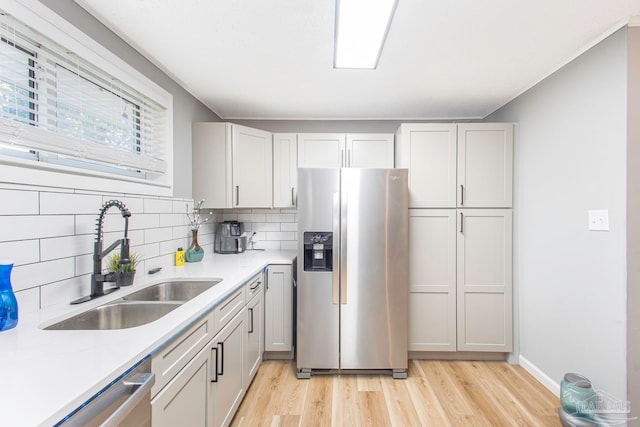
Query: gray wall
(186, 108)
(633, 220)
(570, 154)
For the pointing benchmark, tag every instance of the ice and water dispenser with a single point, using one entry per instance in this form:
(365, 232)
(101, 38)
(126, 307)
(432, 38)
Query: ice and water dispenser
(318, 251)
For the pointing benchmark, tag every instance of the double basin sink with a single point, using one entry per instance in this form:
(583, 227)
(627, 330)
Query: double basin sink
(138, 308)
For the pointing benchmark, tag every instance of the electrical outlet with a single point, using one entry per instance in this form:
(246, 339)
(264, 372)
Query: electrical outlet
(599, 220)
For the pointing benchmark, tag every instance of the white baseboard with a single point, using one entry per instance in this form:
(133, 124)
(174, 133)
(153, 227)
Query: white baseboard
(544, 379)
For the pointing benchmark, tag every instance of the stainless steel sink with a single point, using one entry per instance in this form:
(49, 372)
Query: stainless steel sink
(171, 291)
(118, 315)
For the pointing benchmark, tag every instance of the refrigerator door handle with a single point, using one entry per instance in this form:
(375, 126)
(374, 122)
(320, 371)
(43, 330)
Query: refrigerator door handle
(335, 294)
(343, 249)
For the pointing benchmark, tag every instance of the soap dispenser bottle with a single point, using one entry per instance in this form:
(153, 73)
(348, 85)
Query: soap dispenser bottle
(8, 302)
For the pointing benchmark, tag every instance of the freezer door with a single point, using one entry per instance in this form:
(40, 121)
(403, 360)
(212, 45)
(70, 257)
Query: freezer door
(317, 299)
(374, 269)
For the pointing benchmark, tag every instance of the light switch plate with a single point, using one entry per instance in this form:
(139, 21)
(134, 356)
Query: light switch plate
(599, 220)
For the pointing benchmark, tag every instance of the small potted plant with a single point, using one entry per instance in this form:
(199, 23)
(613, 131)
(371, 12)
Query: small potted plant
(124, 272)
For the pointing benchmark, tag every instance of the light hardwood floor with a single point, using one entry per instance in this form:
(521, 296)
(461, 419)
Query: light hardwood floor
(437, 393)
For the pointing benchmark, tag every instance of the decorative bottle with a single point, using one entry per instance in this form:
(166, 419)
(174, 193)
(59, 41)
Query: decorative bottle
(8, 302)
(195, 252)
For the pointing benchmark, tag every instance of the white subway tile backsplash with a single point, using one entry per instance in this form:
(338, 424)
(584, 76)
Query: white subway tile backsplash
(65, 291)
(32, 275)
(84, 264)
(69, 203)
(28, 300)
(281, 218)
(21, 251)
(289, 245)
(289, 226)
(64, 247)
(153, 235)
(50, 233)
(35, 226)
(17, 202)
(144, 221)
(158, 206)
(263, 226)
(279, 235)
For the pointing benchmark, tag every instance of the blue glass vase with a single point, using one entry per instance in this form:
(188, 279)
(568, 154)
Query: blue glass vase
(195, 252)
(8, 302)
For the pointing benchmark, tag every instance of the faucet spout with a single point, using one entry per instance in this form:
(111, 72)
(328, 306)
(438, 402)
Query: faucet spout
(97, 278)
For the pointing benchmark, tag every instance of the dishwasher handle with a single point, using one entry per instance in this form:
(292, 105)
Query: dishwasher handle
(139, 385)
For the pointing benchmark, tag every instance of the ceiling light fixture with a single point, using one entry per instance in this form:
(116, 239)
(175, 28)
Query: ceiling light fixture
(361, 29)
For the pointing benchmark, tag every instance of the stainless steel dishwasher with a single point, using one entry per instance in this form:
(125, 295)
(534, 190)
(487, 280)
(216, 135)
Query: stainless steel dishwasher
(125, 402)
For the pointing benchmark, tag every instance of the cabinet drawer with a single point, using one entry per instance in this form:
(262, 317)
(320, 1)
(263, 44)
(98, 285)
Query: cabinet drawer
(231, 306)
(255, 285)
(172, 357)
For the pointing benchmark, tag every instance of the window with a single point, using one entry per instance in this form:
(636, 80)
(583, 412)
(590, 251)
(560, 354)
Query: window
(60, 109)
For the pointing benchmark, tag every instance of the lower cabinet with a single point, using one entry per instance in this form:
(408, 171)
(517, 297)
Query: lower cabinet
(254, 335)
(226, 388)
(279, 309)
(183, 402)
(460, 280)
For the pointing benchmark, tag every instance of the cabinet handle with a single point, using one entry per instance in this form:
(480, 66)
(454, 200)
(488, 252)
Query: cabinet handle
(266, 280)
(348, 158)
(341, 158)
(293, 200)
(237, 195)
(251, 323)
(461, 195)
(221, 344)
(214, 359)
(461, 222)
(253, 288)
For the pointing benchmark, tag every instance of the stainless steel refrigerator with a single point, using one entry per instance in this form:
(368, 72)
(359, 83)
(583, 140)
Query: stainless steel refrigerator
(352, 287)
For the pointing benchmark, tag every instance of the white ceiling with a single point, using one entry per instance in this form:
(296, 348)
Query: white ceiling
(257, 59)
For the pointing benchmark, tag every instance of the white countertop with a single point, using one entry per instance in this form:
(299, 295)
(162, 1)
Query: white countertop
(44, 375)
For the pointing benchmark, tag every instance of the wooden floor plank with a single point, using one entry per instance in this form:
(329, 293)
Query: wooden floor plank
(436, 393)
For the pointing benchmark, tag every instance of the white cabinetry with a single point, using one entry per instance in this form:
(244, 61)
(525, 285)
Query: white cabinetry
(285, 170)
(226, 389)
(432, 280)
(457, 165)
(232, 166)
(279, 309)
(485, 165)
(184, 400)
(460, 262)
(326, 150)
(484, 279)
(428, 150)
(255, 328)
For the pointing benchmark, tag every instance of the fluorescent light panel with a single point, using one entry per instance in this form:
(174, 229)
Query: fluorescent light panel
(361, 28)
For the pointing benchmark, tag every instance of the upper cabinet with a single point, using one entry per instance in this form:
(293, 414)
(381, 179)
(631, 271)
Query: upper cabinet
(457, 165)
(285, 170)
(428, 150)
(485, 165)
(232, 166)
(328, 150)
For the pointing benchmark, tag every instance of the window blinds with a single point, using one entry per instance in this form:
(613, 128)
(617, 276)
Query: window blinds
(54, 101)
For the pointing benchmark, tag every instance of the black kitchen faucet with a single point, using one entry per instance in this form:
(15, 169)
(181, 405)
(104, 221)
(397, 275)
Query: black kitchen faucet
(97, 278)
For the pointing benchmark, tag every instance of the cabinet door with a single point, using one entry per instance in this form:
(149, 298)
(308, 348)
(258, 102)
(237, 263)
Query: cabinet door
(227, 388)
(278, 309)
(428, 150)
(211, 164)
(255, 336)
(432, 280)
(285, 170)
(183, 402)
(484, 280)
(252, 168)
(369, 150)
(485, 165)
(321, 150)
